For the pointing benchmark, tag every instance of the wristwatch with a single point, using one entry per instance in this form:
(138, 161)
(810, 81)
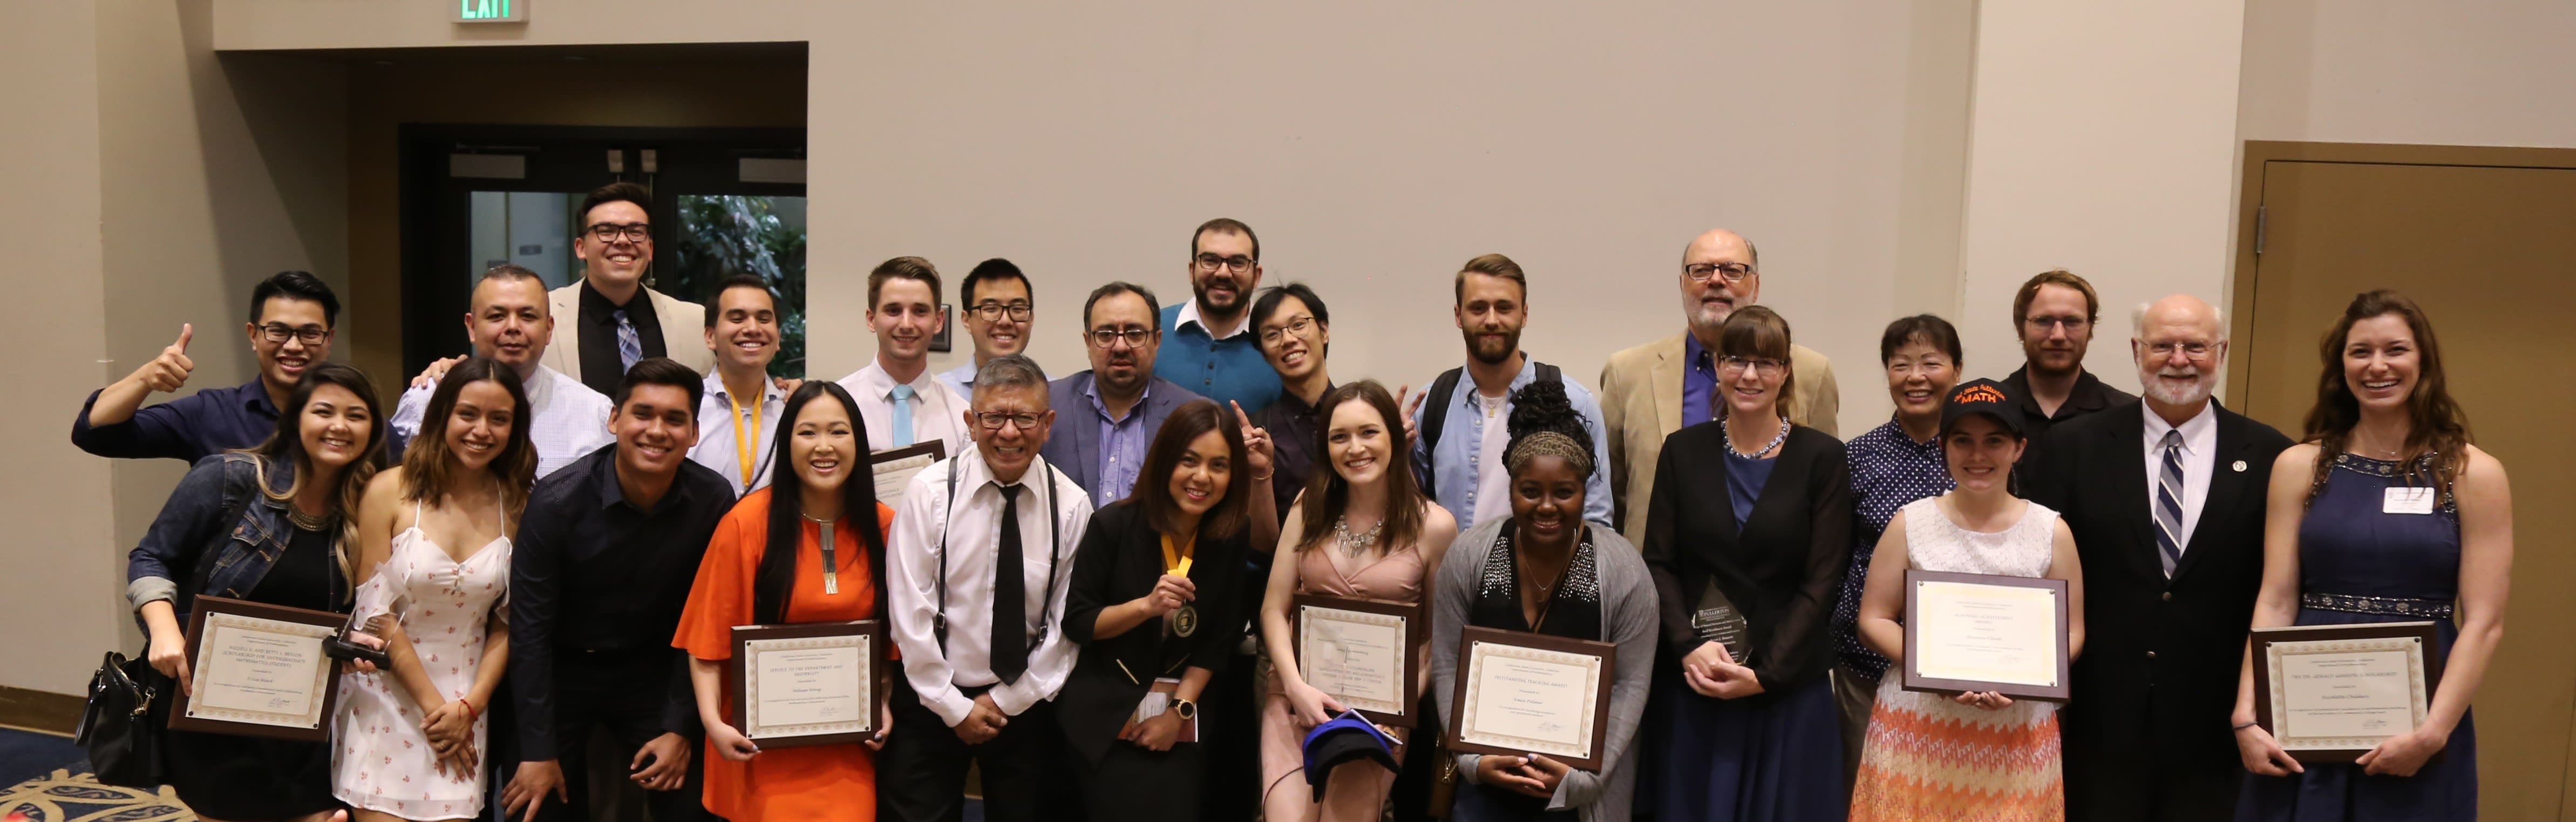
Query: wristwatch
(1185, 709)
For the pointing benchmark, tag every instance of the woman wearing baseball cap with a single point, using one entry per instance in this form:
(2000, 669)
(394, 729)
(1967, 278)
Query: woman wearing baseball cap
(1969, 755)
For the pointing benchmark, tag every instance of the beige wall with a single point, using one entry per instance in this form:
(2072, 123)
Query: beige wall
(2101, 143)
(2397, 71)
(63, 610)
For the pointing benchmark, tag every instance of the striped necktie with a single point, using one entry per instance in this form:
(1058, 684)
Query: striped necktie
(902, 434)
(2169, 504)
(630, 346)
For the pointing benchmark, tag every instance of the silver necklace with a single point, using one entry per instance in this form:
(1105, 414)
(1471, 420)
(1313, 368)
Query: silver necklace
(1776, 439)
(1356, 545)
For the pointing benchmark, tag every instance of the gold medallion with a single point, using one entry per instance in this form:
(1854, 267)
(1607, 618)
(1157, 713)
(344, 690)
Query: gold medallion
(1185, 621)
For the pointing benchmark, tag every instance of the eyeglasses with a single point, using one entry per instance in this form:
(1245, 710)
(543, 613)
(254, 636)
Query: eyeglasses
(1297, 326)
(1135, 337)
(1763, 367)
(2044, 323)
(992, 420)
(309, 335)
(991, 312)
(2165, 350)
(633, 232)
(1238, 263)
(1733, 272)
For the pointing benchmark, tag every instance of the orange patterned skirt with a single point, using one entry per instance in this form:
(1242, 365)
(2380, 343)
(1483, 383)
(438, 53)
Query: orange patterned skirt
(1928, 758)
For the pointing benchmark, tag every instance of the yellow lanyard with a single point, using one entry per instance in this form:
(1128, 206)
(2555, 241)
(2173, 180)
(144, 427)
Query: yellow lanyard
(1176, 561)
(742, 447)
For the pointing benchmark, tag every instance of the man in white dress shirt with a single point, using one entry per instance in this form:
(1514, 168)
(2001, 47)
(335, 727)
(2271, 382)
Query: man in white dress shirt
(738, 414)
(903, 402)
(997, 305)
(976, 582)
(509, 321)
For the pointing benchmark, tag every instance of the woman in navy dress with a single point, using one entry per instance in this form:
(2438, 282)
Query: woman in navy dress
(2385, 513)
(1760, 511)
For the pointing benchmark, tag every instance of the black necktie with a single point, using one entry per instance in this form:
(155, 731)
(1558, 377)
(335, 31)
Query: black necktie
(1010, 606)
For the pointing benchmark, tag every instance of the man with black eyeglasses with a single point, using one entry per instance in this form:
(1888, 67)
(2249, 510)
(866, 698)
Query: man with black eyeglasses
(615, 319)
(2053, 315)
(999, 306)
(1652, 390)
(291, 318)
(1112, 411)
(1213, 350)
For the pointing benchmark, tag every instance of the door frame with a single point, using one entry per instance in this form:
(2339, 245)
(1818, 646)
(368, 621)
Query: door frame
(2249, 207)
(430, 197)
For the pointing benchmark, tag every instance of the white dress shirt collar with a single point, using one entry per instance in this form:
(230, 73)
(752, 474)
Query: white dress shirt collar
(1190, 314)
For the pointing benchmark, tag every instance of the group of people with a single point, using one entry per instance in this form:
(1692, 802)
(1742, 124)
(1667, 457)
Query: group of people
(553, 543)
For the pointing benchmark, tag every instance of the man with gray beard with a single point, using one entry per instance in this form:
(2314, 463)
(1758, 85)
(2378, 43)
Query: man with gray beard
(2166, 499)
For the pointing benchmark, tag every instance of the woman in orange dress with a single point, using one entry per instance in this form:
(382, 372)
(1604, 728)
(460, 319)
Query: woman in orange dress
(765, 567)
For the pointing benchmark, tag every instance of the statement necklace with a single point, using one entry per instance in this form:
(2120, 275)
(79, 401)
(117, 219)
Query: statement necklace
(1776, 439)
(1360, 544)
(309, 522)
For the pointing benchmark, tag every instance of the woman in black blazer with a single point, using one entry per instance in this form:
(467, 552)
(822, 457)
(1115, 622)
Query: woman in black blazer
(1156, 594)
(1746, 535)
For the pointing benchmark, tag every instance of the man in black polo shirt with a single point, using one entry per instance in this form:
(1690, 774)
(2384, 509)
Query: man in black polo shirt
(2054, 315)
(599, 572)
(291, 321)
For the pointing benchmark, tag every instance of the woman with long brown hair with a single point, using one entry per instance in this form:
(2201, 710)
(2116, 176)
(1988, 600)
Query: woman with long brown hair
(411, 737)
(2384, 513)
(271, 525)
(1156, 594)
(1363, 530)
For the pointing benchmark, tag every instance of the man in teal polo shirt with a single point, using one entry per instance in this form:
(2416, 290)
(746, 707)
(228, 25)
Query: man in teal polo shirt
(1208, 344)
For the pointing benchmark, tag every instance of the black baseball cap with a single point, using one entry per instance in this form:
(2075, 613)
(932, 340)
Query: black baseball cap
(1986, 397)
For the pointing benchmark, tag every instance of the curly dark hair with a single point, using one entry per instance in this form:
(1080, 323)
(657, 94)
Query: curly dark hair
(1543, 407)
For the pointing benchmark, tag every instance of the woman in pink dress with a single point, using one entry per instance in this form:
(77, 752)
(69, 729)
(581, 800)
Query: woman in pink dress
(1363, 530)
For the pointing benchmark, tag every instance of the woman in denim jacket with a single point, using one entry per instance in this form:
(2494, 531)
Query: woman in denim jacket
(267, 525)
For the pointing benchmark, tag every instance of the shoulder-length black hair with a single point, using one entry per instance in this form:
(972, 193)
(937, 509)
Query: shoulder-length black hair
(774, 581)
(1153, 492)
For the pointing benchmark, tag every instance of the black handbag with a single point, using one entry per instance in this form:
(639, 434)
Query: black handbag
(118, 728)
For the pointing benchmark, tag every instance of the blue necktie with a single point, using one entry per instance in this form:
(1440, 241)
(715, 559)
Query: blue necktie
(902, 434)
(630, 347)
(2169, 504)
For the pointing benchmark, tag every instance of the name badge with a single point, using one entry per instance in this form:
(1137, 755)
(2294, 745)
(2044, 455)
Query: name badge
(2408, 501)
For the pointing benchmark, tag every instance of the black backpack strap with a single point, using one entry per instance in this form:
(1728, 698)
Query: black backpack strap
(1549, 373)
(1435, 414)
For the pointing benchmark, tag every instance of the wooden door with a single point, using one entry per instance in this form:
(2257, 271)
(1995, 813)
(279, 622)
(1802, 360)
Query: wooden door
(2487, 245)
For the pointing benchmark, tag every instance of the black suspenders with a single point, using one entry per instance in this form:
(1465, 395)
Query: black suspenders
(1055, 551)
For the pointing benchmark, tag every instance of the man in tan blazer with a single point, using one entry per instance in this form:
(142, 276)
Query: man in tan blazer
(1648, 392)
(615, 245)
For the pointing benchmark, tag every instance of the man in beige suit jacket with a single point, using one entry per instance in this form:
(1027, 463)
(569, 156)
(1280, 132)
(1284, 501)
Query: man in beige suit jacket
(615, 245)
(1642, 388)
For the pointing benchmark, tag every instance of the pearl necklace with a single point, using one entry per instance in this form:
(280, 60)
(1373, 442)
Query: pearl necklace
(1776, 439)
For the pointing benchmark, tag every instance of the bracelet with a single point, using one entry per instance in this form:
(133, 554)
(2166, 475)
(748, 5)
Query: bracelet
(2245, 726)
(1265, 477)
(470, 713)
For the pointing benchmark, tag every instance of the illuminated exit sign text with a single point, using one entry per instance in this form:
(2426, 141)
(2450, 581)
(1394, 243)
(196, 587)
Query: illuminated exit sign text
(491, 11)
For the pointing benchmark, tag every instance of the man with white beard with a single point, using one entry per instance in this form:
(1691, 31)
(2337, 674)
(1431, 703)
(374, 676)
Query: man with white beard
(2166, 499)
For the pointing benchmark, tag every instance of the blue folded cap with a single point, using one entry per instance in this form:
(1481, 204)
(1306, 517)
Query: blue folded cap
(1345, 738)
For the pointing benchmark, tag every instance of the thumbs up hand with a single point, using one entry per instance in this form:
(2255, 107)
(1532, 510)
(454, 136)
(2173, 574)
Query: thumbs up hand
(169, 371)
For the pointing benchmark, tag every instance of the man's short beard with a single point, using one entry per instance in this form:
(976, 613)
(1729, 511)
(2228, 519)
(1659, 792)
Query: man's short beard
(1510, 346)
(2154, 387)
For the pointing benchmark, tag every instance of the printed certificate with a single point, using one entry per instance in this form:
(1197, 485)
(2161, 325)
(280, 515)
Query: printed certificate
(806, 684)
(2330, 693)
(1520, 693)
(1978, 632)
(1363, 653)
(258, 670)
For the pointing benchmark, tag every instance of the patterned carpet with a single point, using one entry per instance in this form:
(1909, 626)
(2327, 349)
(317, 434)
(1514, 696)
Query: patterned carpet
(52, 784)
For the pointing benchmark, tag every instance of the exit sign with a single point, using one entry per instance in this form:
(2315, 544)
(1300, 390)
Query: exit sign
(491, 11)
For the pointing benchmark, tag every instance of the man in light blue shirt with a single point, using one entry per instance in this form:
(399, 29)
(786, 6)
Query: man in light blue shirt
(1208, 346)
(1463, 418)
(739, 409)
(997, 305)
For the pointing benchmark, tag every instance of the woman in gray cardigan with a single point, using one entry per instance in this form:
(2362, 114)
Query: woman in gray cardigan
(1543, 570)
